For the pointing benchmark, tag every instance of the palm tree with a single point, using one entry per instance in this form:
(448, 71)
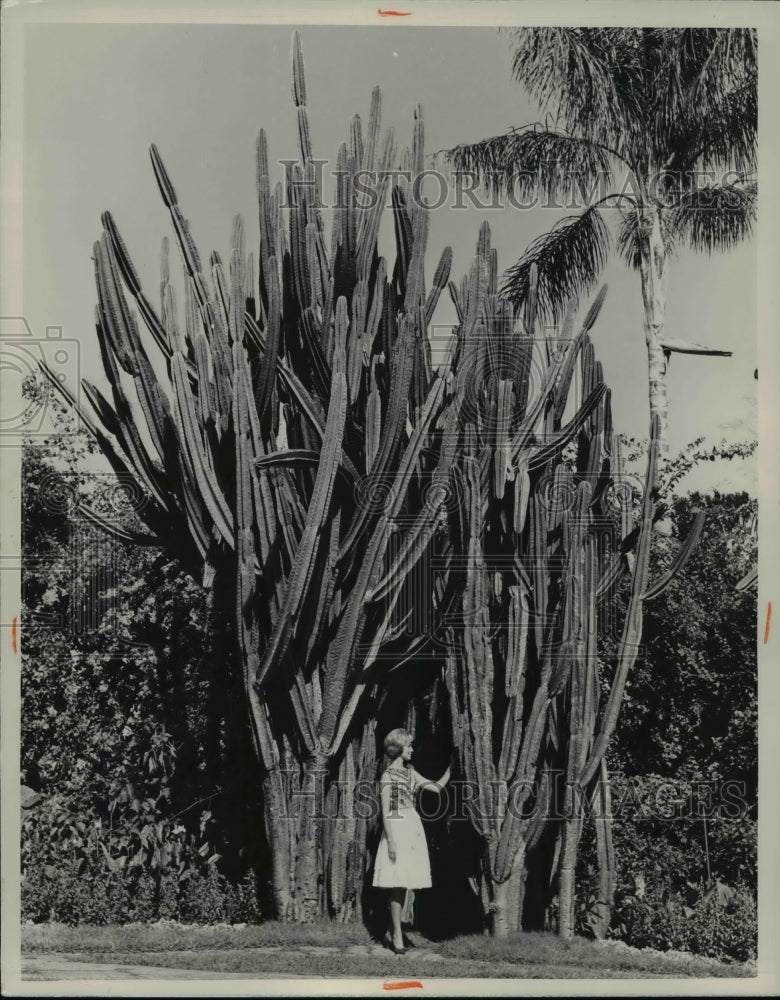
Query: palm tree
(659, 124)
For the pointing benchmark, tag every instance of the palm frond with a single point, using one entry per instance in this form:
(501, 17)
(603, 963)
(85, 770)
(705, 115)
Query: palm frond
(649, 94)
(714, 60)
(572, 71)
(568, 259)
(717, 217)
(726, 137)
(534, 162)
(708, 100)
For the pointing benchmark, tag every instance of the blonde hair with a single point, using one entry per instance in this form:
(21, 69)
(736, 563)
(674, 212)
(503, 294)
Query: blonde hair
(395, 741)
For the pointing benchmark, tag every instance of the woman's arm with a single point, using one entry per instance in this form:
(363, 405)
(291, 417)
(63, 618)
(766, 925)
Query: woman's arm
(432, 786)
(385, 791)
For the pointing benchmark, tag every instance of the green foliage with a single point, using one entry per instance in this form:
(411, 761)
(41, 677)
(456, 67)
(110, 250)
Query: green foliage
(683, 763)
(131, 865)
(66, 893)
(690, 710)
(665, 898)
(90, 610)
(210, 899)
(706, 831)
(722, 928)
(132, 751)
(71, 896)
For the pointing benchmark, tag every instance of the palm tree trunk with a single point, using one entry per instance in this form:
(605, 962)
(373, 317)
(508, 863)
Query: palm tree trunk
(653, 276)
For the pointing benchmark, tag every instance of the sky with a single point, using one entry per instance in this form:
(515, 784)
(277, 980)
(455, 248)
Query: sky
(97, 95)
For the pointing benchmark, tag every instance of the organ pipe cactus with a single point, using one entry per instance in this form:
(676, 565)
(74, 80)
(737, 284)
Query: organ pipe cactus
(290, 404)
(545, 545)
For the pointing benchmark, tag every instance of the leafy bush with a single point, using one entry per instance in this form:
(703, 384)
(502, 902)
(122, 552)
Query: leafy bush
(725, 931)
(61, 893)
(665, 858)
(210, 899)
(67, 895)
(721, 925)
(707, 831)
(132, 864)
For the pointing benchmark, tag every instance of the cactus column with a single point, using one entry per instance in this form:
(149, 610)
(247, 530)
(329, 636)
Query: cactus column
(544, 543)
(298, 395)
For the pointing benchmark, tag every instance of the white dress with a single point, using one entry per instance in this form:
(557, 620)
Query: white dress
(411, 868)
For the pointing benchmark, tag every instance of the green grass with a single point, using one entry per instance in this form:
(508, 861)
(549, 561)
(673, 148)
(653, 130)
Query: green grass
(349, 967)
(229, 949)
(164, 936)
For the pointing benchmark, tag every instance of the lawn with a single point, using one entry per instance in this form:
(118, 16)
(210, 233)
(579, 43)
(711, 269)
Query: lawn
(329, 949)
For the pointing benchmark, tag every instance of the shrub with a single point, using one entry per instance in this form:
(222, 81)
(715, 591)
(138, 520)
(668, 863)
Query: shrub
(63, 894)
(241, 902)
(203, 899)
(725, 931)
(662, 862)
(722, 924)
(141, 866)
(69, 895)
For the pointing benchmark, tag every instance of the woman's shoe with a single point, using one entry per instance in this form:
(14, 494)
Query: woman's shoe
(389, 943)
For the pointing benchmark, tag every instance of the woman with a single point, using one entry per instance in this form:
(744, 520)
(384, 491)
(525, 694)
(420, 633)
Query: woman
(402, 858)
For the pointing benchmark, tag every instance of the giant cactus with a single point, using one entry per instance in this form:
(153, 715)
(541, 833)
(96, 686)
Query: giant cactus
(544, 545)
(293, 400)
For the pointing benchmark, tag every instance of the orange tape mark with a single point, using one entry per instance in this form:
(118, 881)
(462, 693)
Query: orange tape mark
(13, 635)
(405, 985)
(394, 13)
(768, 621)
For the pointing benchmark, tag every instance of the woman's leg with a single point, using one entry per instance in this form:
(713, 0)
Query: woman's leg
(397, 897)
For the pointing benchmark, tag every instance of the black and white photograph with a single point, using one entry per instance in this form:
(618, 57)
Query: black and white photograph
(389, 499)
